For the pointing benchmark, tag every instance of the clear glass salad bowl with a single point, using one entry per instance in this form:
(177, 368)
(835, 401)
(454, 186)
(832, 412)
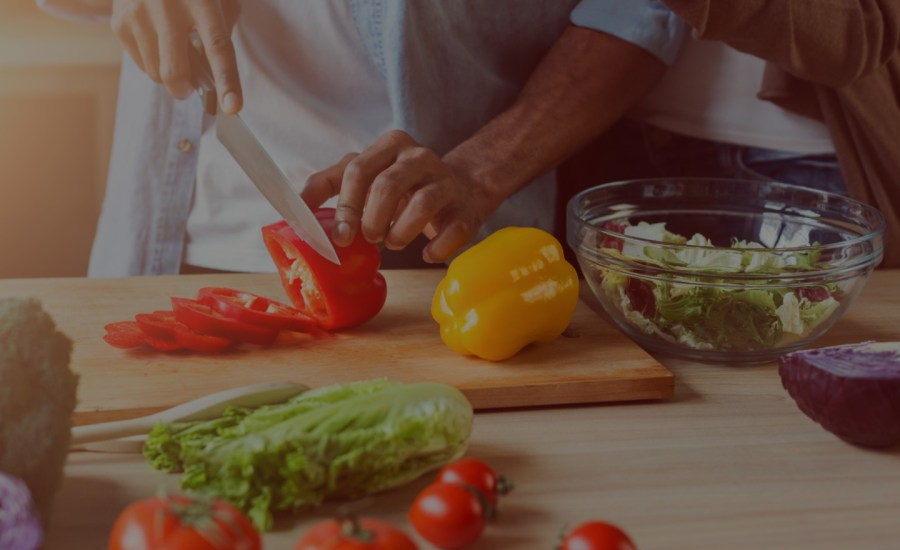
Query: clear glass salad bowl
(721, 270)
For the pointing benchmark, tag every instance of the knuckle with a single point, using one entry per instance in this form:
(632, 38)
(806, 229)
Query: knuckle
(426, 199)
(384, 188)
(420, 154)
(220, 43)
(398, 136)
(346, 209)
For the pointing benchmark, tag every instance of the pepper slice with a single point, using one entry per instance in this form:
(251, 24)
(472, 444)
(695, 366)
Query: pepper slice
(513, 288)
(256, 310)
(203, 319)
(337, 296)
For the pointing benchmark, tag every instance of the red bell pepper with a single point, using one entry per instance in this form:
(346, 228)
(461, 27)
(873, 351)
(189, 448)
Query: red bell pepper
(337, 296)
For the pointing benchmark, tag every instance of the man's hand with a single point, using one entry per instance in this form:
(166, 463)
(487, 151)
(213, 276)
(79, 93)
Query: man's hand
(395, 190)
(157, 35)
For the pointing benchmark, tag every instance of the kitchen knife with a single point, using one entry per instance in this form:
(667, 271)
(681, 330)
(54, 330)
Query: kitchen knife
(252, 157)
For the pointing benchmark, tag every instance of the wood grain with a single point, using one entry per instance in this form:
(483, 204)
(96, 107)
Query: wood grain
(593, 362)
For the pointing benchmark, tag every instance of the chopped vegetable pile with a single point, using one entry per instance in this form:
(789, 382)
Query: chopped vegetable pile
(337, 441)
(700, 312)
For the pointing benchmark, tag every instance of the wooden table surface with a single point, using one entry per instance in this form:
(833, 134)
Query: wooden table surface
(728, 463)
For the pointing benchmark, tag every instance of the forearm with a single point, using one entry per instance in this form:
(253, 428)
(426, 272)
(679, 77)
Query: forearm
(831, 43)
(92, 10)
(584, 84)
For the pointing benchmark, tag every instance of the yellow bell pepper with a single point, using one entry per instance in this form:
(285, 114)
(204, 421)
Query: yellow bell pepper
(512, 289)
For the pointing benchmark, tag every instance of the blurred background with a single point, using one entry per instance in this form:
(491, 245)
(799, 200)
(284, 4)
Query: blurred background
(58, 84)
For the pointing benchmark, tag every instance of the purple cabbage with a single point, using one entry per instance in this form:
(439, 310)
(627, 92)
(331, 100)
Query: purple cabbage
(20, 527)
(852, 390)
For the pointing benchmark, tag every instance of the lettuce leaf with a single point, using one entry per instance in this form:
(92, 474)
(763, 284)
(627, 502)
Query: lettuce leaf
(339, 441)
(706, 316)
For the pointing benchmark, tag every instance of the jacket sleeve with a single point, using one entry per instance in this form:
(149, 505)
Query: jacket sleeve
(647, 24)
(90, 11)
(831, 43)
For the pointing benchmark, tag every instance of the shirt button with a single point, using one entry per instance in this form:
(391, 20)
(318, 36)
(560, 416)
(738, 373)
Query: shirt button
(185, 146)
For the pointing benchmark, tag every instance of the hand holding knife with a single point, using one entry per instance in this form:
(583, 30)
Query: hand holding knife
(258, 164)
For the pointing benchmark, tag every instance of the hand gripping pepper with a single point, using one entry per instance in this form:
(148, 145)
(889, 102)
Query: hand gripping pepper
(512, 289)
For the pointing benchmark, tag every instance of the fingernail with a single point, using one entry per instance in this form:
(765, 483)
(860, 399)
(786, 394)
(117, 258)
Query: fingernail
(341, 233)
(230, 103)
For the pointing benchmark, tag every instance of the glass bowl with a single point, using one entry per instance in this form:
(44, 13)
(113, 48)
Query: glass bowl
(723, 270)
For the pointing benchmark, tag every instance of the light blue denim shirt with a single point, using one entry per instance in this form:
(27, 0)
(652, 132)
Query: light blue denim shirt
(449, 67)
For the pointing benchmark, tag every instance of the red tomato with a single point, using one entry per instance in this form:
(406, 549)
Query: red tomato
(597, 535)
(448, 515)
(476, 474)
(203, 319)
(181, 523)
(256, 310)
(349, 534)
(337, 296)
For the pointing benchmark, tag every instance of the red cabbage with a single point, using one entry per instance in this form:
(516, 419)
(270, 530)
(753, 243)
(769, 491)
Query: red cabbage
(20, 527)
(852, 390)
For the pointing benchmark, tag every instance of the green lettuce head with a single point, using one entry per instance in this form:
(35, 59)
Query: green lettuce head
(341, 441)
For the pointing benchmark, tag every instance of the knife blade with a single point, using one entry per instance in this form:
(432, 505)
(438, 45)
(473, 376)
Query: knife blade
(259, 166)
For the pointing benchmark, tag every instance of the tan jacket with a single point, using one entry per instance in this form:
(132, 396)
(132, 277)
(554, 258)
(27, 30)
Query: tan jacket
(838, 61)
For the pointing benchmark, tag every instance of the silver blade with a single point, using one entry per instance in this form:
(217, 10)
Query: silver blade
(272, 183)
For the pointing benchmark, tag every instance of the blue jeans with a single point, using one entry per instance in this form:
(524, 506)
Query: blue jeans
(661, 153)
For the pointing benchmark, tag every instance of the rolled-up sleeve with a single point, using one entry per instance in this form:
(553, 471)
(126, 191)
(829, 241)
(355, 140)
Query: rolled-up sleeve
(648, 24)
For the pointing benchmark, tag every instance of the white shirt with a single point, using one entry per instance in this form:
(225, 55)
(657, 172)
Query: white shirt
(311, 94)
(710, 93)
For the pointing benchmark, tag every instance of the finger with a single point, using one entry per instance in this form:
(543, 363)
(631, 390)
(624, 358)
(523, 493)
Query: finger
(450, 238)
(146, 41)
(216, 38)
(174, 63)
(385, 195)
(326, 183)
(424, 205)
(127, 40)
(358, 177)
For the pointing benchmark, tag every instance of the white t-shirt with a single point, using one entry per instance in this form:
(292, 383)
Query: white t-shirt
(311, 95)
(710, 93)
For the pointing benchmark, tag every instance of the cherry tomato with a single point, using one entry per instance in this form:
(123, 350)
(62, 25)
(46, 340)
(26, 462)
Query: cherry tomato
(353, 534)
(597, 535)
(203, 319)
(181, 523)
(256, 310)
(477, 474)
(448, 515)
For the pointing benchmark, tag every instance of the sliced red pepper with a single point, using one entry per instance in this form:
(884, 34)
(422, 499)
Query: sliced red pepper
(157, 324)
(123, 335)
(256, 310)
(163, 325)
(203, 319)
(337, 296)
(203, 343)
(128, 335)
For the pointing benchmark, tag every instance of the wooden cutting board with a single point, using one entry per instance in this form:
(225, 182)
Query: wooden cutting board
(592, 362)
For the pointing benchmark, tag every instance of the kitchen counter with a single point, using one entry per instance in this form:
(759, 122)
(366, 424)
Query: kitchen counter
(729, 462)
